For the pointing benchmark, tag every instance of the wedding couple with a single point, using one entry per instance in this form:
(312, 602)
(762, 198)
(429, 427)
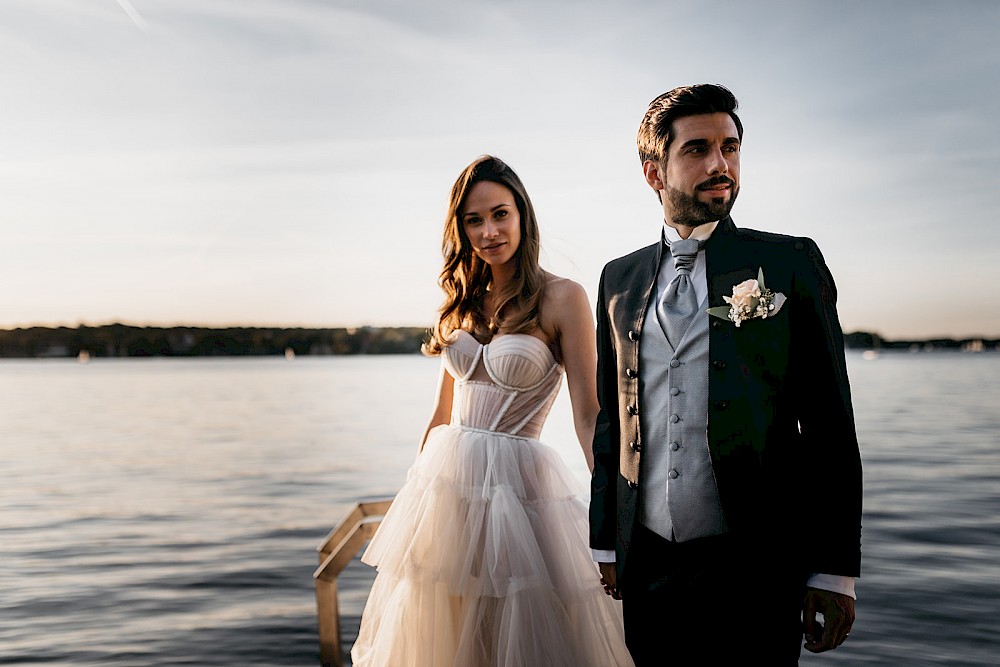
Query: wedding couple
(714, 412)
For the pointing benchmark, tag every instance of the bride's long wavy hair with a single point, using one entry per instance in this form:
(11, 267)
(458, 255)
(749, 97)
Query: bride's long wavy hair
(465, 278)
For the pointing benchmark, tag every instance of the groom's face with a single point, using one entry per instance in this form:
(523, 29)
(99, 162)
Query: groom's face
(701, 177)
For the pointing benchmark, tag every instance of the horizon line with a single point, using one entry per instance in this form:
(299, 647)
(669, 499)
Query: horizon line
(175, 325)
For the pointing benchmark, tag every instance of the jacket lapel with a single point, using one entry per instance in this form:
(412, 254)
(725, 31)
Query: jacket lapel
(635, 291)
(722, 263)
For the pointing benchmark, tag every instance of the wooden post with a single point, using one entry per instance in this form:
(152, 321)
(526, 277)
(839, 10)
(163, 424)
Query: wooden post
(328, 618)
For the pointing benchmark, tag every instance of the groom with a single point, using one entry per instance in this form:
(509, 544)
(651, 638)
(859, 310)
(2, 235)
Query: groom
(726, 495)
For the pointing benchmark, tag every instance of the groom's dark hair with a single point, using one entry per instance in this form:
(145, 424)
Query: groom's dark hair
(655, 133)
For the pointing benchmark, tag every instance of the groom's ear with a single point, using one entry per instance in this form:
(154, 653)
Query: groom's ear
(652, 171)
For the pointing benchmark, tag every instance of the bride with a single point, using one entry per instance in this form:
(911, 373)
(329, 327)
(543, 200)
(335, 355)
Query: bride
(483, 557)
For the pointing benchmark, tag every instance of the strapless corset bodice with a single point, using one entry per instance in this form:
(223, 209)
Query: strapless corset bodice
(506, 385)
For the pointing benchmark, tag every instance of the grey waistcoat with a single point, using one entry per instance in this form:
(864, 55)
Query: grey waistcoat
(678, 494)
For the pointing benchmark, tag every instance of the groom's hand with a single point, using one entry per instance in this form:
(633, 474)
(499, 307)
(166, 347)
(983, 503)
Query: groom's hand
(838, 617)
(609, 579)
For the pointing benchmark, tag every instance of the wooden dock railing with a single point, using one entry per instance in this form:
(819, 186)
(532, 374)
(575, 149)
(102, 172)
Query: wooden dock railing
(335, 552)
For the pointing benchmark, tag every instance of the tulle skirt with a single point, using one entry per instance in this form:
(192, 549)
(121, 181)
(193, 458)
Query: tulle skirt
(483, 562)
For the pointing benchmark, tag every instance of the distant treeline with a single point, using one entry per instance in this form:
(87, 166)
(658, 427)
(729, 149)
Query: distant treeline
(862, 340)
(121, 340)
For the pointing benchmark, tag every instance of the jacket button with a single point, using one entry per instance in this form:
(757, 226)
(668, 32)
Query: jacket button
(629, 372)
(719, 364)
(721, 405)
(636, 447)
(633, 336)
(632, 410)
(633, 485)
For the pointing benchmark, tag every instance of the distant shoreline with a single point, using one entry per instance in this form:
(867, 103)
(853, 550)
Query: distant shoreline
(862, 340)
(122, 340)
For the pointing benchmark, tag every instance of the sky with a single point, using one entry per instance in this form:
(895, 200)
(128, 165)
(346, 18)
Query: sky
(288, 162)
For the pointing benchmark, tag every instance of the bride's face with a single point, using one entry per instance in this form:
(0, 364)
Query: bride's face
(491, 222)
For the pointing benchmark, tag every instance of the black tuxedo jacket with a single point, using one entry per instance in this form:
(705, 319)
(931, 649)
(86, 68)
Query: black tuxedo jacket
(780, 427)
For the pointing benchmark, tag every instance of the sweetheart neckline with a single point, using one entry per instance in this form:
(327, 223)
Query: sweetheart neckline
(522, 335)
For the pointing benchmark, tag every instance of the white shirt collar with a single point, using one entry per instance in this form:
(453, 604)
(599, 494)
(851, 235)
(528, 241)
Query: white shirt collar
(700, 233)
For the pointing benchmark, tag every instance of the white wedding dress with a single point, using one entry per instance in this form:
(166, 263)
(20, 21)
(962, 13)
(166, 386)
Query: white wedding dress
(483, 557)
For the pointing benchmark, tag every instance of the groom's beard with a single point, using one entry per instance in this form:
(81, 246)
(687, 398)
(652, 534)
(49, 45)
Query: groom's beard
(689, 211)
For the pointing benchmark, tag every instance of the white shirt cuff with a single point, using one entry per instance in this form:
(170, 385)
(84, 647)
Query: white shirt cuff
(833, 582)
(603, 555)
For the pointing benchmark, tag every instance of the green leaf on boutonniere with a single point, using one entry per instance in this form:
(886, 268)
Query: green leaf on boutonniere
(760, 279)
(722, 312)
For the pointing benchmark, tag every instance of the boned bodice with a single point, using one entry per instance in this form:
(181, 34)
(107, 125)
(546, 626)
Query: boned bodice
(506, 385)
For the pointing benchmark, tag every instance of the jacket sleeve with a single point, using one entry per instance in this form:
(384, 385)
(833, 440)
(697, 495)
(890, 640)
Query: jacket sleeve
(833, 485)
(603, 490)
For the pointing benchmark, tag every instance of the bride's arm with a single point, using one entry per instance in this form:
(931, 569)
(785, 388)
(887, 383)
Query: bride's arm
(442, 406)
(575, 327)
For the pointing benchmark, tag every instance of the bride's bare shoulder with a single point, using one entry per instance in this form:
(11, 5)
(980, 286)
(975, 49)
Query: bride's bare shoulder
(565, 301)
(561, 289)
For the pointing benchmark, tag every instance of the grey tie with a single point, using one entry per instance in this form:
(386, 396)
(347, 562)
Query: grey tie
(679, 304)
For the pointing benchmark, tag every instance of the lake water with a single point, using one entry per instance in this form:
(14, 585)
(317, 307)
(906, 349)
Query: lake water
(166, 512)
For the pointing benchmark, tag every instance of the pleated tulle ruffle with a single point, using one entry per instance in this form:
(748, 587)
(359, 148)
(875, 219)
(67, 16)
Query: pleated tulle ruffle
(483, 560)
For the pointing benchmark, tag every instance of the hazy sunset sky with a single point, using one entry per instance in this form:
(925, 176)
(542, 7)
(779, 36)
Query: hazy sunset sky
(287, 162)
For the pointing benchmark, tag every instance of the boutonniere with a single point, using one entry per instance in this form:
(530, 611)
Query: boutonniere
(751, 299)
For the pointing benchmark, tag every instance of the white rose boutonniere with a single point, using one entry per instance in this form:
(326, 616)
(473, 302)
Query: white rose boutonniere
(750, 300)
